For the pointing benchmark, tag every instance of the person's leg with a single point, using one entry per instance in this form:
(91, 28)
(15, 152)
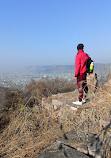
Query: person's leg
(85, 87)
(80, 82)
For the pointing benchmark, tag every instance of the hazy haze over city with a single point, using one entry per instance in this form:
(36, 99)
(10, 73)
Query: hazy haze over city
(40, 32)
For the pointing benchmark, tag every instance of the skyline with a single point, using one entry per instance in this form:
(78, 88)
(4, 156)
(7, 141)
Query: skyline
(38, 33)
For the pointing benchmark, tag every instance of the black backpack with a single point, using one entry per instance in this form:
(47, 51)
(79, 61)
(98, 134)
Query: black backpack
(89, 65)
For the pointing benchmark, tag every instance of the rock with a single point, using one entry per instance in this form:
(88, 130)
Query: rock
(92, 81)
(99, 145)
(59, 145)
(50, 104)
(83, 148)
(73, 108)
(47, 104)
(53, 116)
(56, 104)
(92, 150)
(73, 138)
(98, 156)
(69, 152)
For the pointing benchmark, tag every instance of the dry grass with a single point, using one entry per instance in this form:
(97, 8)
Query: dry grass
(102, 97)
(28, 133)
(28, 129)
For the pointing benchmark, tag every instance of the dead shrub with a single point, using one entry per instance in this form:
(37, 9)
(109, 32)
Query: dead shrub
(12, 98)
(34, 91)
(4, 120)
(44, 88)
(60, 85)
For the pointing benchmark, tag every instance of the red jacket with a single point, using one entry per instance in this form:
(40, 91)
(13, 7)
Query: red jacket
(80, 67)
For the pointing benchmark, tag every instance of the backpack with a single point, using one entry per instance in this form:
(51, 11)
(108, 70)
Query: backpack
(89, 65)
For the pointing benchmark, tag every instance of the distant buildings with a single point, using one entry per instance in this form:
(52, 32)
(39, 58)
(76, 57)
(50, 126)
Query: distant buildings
(21, 79)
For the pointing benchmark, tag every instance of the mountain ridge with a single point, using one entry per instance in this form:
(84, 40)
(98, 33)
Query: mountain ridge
(98, 67)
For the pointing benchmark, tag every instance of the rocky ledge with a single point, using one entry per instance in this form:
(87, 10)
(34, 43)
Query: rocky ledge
(91, 124)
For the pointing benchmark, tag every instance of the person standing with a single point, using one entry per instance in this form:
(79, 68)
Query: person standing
(80, 74)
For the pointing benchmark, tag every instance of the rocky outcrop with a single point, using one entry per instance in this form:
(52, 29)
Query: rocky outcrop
(69, 152)
(92, 81)
(91, 124)
(74, 145)
(99, 146)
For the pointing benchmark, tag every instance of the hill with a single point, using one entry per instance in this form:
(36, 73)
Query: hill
(41, 121)
(52, 69)
(100, 68)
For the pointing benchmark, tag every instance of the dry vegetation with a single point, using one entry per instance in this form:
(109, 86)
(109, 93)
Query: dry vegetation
(26, 129)
(28, 133)
(34, 92)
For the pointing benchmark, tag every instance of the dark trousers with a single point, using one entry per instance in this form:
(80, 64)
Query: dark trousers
(82, 86)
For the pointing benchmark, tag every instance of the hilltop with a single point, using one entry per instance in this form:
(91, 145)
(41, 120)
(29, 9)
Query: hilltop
(41, 122)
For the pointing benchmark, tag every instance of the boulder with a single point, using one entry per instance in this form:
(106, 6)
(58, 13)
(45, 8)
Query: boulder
(92, 81)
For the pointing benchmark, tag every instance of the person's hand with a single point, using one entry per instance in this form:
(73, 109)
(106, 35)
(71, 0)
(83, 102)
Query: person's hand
(75, 78)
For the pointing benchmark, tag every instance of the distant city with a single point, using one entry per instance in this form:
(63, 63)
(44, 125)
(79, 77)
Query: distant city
(19, 80)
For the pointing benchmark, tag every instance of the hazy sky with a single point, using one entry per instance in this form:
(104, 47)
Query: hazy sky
(46, 32)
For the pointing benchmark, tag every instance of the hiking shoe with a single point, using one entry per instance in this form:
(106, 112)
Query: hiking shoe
(84, 100)
(77, 102)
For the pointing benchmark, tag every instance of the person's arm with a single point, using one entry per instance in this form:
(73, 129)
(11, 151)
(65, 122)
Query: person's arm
(77, 65)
